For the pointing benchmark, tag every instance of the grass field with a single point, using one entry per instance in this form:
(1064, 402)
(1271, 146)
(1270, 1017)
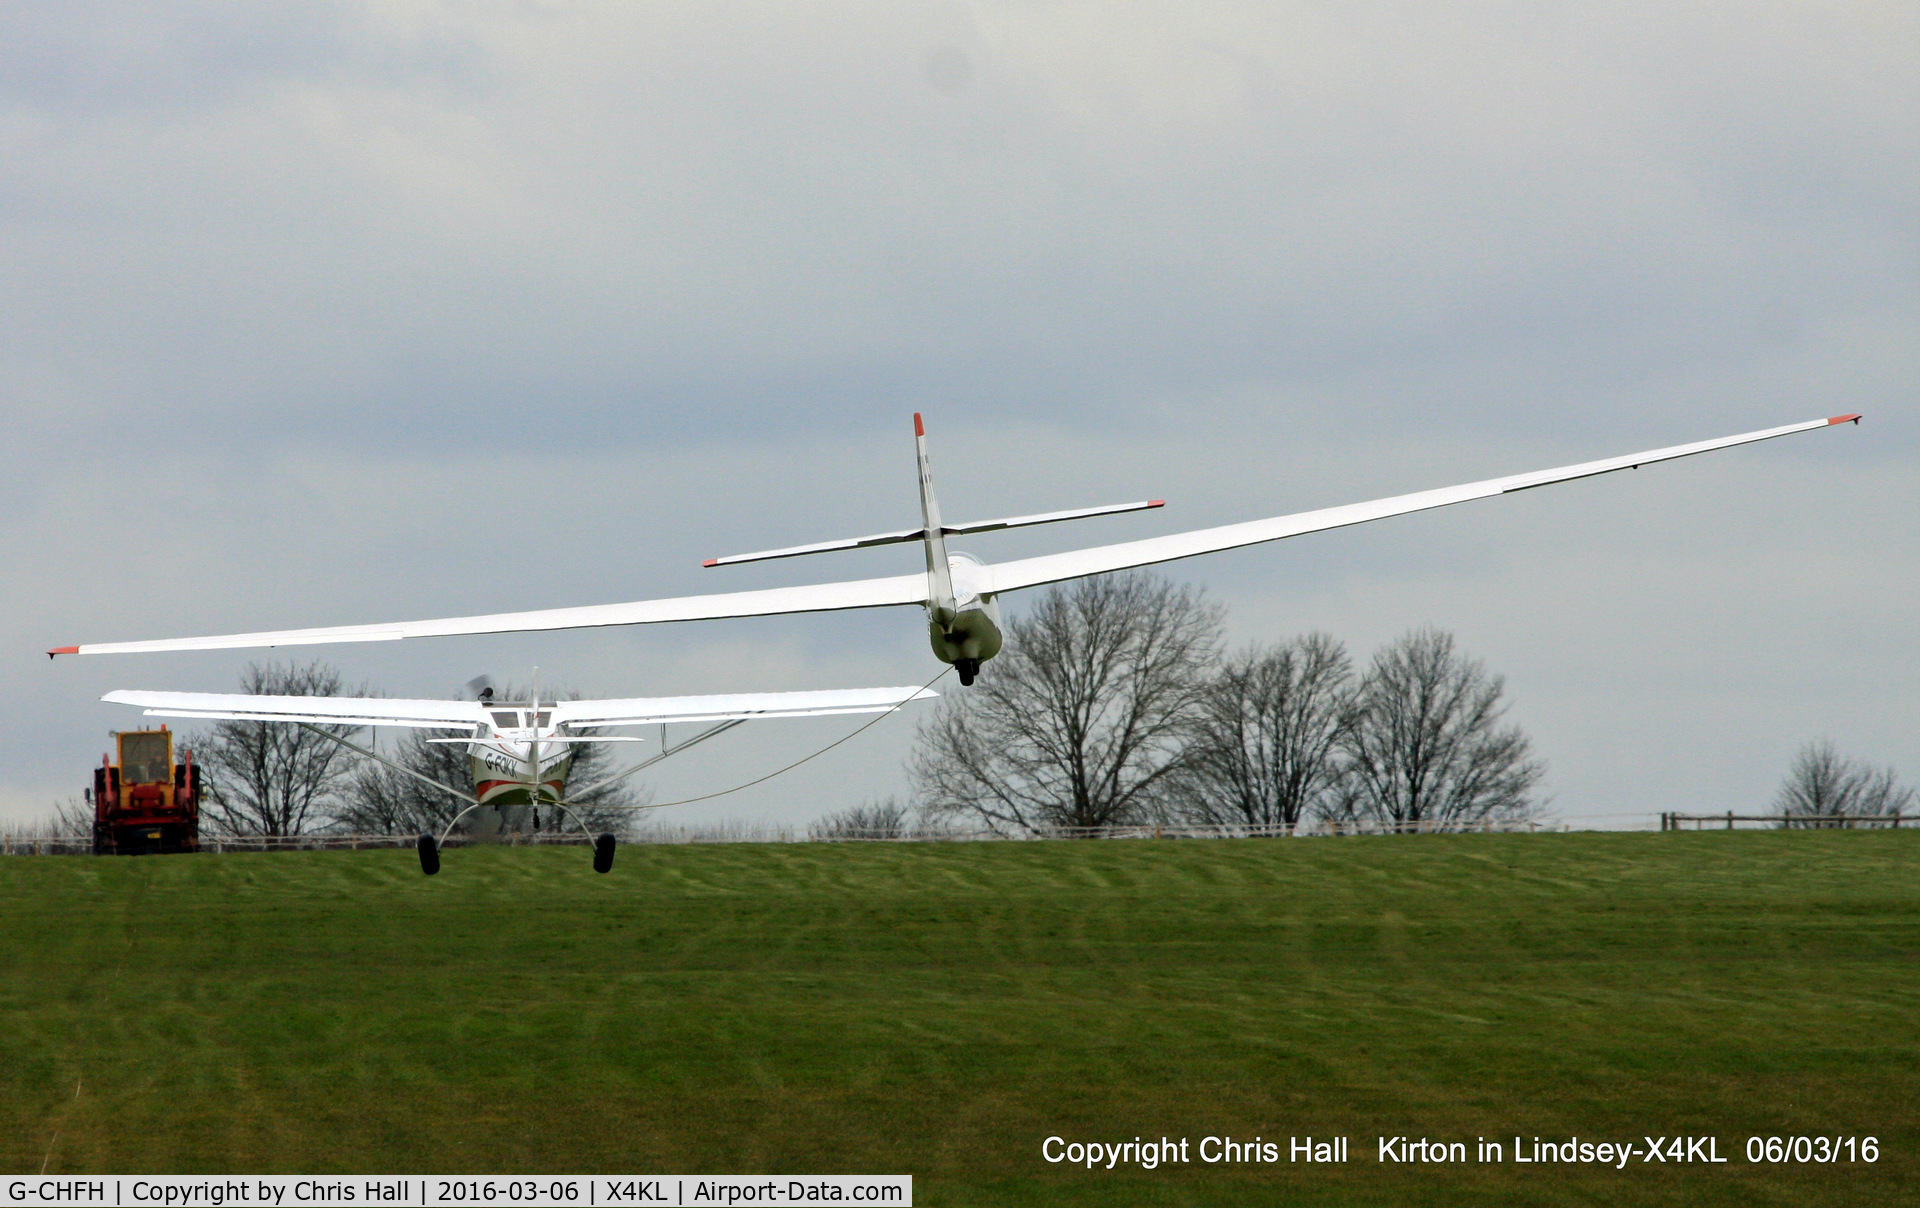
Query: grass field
(940, 1009)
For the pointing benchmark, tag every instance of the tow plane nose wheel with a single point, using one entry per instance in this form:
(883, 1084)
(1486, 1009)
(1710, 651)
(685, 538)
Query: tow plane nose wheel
(429, 855)
(968, 668)
(603, 853)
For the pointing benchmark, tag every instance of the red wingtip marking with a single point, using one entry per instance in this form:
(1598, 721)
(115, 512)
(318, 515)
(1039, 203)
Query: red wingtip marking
(63, 650)
(1844, 419)
(1156, 503)
(919, 429)
(711, 562)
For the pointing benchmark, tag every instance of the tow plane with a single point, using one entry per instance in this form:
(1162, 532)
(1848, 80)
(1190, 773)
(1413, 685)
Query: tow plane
(959, 592)
(520, 752)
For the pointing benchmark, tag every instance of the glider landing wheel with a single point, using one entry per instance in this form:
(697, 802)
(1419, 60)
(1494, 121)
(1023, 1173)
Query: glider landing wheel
(429, 855)
(603, 854)
(968, 668)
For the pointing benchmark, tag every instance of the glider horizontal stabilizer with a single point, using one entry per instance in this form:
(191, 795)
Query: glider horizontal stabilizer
(951, 530)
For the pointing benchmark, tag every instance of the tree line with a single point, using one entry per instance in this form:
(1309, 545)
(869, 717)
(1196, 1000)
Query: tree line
(1113, 703)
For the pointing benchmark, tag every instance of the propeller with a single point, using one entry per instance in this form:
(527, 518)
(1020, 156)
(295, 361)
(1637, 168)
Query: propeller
(480, 687)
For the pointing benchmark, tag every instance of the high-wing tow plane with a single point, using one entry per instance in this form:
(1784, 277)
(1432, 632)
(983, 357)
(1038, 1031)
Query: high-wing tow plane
(959, 592)
(520, 753)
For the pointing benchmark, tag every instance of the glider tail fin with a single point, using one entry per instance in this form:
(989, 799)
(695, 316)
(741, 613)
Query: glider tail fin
(940, 601)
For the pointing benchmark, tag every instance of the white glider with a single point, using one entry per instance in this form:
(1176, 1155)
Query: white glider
(959, 592)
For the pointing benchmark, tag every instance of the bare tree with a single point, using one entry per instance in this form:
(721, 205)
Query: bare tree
(1822, 782)
(885, 819)
(1265, 748)
(271, 778)
(1083, 716)
(75, 818)
(1427, 744)
(70, 819)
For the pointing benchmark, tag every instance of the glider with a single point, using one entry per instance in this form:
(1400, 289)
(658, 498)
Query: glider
(520, 752)
(959, 592)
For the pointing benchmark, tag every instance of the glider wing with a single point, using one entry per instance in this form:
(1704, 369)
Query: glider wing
(819, 597)
(1074, 564)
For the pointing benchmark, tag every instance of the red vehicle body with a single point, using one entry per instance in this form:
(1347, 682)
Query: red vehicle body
(146, 802)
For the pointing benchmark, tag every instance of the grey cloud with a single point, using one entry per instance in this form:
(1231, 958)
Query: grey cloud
(675, 213)
(313, 288)
(94, 58)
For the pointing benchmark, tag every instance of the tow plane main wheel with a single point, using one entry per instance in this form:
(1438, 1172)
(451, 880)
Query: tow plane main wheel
(429, 855)
(968, 668)
(603, 854)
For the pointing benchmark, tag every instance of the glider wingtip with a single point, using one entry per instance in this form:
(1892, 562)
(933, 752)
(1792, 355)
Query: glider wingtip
(919, 429)
(1156, 503)
(711, 562)
(63, 650)
(1844, 419)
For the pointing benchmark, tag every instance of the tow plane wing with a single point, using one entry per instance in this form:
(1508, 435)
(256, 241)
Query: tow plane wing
(317, 710)
(457, 714)
(643, 710)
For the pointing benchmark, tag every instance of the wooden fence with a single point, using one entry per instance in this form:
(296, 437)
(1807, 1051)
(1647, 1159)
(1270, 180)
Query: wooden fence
(1674, 822)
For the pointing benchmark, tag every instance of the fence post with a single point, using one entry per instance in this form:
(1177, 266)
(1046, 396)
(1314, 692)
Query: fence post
(1729, 819)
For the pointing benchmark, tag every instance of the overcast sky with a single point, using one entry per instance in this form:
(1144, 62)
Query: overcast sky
(338, 313)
